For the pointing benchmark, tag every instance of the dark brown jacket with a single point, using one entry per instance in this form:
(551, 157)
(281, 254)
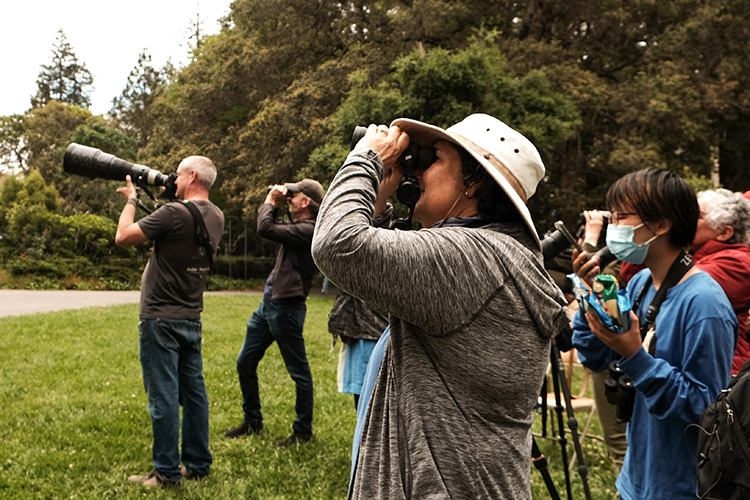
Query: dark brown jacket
(294, 269)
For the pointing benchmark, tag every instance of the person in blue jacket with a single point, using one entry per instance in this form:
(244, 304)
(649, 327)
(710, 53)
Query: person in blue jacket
(686, 357)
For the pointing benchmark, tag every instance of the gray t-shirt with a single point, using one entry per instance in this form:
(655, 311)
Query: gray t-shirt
(175, 276)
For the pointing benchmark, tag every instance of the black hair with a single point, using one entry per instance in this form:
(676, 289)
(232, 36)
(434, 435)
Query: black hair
(493, 204)
(657, 194)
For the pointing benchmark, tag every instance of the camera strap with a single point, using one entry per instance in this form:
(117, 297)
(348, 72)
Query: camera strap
(682, 264)
(201, 233)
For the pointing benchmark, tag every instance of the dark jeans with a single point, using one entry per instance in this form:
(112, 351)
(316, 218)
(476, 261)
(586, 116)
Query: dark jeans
(172, 365)
(281, 323)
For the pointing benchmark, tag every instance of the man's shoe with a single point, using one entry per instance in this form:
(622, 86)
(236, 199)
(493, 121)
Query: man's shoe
(186, 474)
(243, 429)
(153, 480)
(295, 438)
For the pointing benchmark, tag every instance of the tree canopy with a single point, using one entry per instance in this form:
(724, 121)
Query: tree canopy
(600, 87)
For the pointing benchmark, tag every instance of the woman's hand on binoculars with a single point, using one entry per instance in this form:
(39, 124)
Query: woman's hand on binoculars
(389, 143)
(392, 175)
(128, 190)
(388, 184)
(626, 343)
(585, 266)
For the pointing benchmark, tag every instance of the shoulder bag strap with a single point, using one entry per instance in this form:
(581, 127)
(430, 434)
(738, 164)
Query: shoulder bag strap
(201, 233)
(682, 264)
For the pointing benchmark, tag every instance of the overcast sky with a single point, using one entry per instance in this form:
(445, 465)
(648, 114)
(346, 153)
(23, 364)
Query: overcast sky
(106, 36)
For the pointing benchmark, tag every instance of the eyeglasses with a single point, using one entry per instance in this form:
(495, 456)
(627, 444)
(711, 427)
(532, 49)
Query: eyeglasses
(615, 217)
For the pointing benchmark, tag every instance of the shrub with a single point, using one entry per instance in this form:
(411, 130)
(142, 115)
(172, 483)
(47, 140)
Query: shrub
(86, 234)
(121, 270)
(110, 284)
(34, 267)
(218, 282)
(44, 283)
(234, 266)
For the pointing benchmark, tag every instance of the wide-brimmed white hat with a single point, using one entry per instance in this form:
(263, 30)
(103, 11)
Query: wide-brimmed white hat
(509, 157)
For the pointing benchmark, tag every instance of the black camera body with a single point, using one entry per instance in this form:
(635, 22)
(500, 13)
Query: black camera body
(620, 391)
(556, 242)
(96, 164)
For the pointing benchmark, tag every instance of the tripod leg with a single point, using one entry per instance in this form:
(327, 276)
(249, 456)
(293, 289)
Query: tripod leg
(540, 462)
(562, 382)
(544, 407)
(558, 372)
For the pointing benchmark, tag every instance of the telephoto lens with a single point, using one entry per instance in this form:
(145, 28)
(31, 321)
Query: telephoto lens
(553, 244)
(96, 164)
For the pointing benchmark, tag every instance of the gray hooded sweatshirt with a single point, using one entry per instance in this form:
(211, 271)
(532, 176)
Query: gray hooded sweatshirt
(472, 314)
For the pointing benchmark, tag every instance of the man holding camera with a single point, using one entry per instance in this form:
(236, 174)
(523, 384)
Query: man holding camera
(170, 327)
(281, 314)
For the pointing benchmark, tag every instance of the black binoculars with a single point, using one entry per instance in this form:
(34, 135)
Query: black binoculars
(620, 391)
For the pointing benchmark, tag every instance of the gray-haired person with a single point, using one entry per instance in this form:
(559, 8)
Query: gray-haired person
(720, 248)
(170, 327)
(472, 309)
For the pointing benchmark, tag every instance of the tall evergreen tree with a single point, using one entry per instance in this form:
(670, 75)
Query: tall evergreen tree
(132, 108)
(65, 79)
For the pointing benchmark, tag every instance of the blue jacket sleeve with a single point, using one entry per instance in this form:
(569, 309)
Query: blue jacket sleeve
(684, 393)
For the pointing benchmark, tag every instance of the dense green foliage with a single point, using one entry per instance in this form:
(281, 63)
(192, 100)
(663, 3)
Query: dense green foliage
(80, 435)
(602, 89)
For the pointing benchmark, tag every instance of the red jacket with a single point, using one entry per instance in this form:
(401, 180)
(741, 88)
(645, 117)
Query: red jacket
(729, 265)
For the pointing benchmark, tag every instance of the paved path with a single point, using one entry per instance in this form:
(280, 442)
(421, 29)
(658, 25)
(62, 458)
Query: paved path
(17, 302)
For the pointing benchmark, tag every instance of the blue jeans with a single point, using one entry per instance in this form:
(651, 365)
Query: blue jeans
(281, 323)
(172, 365)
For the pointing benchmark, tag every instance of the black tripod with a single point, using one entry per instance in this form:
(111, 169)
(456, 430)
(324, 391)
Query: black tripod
(561, 391)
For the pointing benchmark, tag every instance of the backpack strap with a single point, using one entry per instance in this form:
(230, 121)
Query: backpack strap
(201, 233)
(681, 265)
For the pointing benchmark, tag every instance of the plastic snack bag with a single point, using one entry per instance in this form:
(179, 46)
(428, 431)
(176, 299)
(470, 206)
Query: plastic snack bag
(606, 301)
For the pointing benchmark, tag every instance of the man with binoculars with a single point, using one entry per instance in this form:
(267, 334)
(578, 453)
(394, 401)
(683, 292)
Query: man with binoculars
(281, 314)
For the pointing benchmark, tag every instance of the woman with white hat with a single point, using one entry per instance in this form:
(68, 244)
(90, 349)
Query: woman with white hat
(472, 310)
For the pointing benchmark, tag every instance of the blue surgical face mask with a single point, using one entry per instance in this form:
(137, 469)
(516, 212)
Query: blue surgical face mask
(620, 243)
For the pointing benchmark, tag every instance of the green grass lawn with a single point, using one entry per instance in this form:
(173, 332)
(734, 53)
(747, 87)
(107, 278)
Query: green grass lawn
(74, 424)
